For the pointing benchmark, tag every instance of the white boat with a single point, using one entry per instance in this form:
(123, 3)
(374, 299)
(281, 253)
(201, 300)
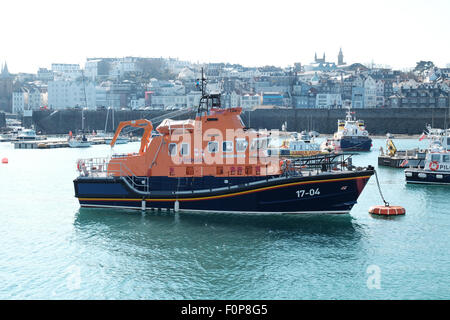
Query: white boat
(293, 144)
(27, 134)
(437, 161)
(80, 141)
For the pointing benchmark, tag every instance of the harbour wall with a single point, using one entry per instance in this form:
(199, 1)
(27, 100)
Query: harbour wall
(378, 121)
(2, 120)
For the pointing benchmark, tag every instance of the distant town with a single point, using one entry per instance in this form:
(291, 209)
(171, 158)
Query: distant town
(170, 84)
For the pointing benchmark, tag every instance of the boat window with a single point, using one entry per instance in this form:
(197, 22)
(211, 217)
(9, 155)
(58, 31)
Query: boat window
(445, 158)
(435, 157)
(241, 145)
(172, 149)
(448, 141)
(227, 146)
(184, 149)
(258, 143)
(213, 146)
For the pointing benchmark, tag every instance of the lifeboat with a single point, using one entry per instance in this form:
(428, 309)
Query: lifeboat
(213, 163)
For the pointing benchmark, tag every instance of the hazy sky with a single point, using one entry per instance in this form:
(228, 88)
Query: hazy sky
(277, 32)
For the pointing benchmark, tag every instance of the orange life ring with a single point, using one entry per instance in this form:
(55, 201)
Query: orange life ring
(434, 165)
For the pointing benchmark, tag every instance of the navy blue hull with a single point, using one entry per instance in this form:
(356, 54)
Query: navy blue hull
(427, 177)
(354, 144)
(328, 193)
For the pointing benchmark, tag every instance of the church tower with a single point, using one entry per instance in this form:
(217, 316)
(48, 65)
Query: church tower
(340, 58)
(6, 89)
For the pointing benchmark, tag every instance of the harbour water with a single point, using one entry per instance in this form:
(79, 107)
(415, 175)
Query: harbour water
(52, 249)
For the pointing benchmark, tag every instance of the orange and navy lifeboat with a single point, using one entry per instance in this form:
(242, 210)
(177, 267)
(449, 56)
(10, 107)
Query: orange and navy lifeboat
(214, 163)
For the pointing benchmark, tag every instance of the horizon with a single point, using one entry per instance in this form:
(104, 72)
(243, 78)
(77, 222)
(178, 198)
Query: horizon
(395, 34)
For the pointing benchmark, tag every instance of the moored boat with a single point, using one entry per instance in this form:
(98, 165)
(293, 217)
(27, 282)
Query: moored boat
(214, 163)
(79, 141)
(436, 169)
(27, 134)
(351, 136)
(391, 157)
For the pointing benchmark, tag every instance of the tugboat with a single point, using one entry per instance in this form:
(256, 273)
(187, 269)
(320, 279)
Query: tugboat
(437, 161)
(351, 136)
(214, 163)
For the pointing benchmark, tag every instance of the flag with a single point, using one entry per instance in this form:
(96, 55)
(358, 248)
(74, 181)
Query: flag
(422, 136)
(404, 163)
(70, 133)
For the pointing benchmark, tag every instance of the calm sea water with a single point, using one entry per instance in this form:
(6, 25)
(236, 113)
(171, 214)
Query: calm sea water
(52, 249)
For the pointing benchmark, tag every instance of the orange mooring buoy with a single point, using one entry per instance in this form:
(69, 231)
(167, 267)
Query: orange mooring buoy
(387, 210)
(5, 160)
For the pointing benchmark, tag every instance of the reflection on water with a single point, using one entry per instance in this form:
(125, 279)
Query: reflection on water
(217, 253)
(324, 224)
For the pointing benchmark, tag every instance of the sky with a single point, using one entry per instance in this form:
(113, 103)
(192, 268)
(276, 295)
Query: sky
(397, 33)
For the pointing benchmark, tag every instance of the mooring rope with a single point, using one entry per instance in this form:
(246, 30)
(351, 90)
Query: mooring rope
(379, 189)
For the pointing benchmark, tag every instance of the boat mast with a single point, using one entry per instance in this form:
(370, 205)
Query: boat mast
(106, 122)
(85, 100)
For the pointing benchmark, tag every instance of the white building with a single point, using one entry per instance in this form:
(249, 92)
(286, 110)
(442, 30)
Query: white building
(19, 101)
(66, 71)
(380, 93)
(249, 101)
(91, 68)
(176, 66)
(137, 103)
(169, 101)
(370, 93)
(44, 74)
(69, 94)
(104, 97)
(34, 98)
(326, 100)
(123, 65)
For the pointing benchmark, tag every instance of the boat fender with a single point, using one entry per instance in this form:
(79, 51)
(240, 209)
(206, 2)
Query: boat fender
(434, 165)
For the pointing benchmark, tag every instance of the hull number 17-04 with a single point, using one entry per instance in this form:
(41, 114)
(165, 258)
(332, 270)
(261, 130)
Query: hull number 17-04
(310, 192)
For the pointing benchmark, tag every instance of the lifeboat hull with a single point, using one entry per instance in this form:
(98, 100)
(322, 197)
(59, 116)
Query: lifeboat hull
(335, 192)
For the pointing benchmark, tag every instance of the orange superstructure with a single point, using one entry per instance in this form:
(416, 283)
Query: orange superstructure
(216, 143)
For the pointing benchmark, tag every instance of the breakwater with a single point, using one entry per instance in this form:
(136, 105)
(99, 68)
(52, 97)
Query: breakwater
(378, 121)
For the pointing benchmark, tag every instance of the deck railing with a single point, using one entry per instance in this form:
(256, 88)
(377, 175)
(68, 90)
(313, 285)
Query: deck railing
(98, 167)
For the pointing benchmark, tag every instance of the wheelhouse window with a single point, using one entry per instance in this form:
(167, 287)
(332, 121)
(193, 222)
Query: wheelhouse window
(184, 149)
(172, 149)
(435, 157)
(213, 147)
(241, 145)
(227, 146)
(445, 158)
